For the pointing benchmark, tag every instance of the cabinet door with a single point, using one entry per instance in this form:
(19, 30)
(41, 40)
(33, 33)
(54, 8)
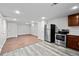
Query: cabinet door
(71, 43)
(73, 20)
(77, 44)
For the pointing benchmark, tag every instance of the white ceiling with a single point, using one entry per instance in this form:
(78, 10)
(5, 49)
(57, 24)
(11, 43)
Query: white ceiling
(34, 11)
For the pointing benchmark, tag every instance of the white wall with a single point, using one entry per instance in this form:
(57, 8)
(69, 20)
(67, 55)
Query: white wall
(23, 29)
(38, 29)
(41, 30)
(62, 23)
(15, 29)
(34, 29)
(11, 29)
(3, 32)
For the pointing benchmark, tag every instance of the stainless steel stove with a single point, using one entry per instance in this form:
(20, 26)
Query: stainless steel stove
(60, 39)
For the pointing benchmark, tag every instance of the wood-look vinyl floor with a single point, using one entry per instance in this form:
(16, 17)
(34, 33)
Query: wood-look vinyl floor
(19, 42)
(43, 49)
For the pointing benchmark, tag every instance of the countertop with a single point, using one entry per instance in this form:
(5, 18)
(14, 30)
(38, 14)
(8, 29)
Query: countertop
(73, 34)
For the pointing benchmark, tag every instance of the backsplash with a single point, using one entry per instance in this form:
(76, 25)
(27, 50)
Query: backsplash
(74, 30)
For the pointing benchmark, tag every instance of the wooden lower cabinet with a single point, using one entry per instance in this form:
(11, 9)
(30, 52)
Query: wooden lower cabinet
(73, 42)
(77, 45)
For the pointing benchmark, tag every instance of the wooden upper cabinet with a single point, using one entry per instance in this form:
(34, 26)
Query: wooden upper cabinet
(73, 20)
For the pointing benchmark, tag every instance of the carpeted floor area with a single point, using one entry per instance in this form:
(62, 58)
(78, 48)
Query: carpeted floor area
(19, 42)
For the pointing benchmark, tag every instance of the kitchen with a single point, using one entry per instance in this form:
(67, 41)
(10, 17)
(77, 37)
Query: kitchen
(66, 31)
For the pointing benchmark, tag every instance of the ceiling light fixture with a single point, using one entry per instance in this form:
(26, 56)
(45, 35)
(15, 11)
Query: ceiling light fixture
(14, 19)
(74, 7)
(32, 21)
(26, 23)
(17, 11)
(43, 18)
(32, 24)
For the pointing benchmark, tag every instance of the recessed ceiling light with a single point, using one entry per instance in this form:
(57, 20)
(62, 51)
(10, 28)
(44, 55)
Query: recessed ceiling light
(43, 17)
(74, 7)
(32, 21)
(17, 11)
(26, 23)
(32, 24)
(14, 19)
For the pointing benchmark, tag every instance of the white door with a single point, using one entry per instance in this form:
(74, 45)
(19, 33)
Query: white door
(2, 32)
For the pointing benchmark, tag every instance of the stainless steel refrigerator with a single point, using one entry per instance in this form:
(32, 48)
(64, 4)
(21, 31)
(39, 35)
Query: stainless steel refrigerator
(49, 33)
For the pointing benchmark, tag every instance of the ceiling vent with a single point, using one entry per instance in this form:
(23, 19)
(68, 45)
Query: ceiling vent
(54, 4)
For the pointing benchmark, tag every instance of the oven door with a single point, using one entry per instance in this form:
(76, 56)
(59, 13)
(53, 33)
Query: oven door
(60, 39)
